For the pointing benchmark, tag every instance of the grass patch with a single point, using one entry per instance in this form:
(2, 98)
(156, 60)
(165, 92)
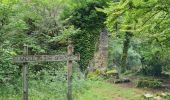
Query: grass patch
(82, 90)
(105, 91)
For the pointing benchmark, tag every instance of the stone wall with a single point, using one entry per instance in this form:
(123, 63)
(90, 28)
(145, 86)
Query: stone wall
(100, 57)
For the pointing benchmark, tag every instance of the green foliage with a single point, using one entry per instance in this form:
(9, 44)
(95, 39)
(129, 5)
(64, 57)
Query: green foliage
(66, 34)
(82, 90)
(45, 84)
(146, 20)
(166, 71)
(34, 23)
(90, 22)
(111, 72)
(84, 43)
(46, 25)
(94, 75)
(115, 53)
(154, 64)
(149, 83)
(87, 17)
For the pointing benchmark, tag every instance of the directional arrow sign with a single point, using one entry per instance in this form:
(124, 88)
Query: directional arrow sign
(42, 58)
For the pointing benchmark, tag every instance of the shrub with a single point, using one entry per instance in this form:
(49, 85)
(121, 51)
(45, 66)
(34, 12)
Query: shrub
(112, 73)
(149, 83)
(94, 75)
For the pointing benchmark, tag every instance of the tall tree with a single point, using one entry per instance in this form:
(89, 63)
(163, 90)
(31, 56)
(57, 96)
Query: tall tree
(144, 19)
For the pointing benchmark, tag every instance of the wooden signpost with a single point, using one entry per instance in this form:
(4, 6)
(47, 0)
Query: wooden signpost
(25, 58)
(42, 58)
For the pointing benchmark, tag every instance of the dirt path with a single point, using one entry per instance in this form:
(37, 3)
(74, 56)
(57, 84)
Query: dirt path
(102, 90)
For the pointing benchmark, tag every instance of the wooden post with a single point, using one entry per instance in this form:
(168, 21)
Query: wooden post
(69, 73)
(25, 58)
(25, 76)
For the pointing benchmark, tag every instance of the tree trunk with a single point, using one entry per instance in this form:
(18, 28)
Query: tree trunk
(126, 45)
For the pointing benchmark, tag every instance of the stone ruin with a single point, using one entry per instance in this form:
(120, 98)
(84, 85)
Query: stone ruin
(99, 60)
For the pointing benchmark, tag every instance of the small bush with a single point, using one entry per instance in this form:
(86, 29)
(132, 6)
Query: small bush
(94, 75)
(149, 83)
(112, 73)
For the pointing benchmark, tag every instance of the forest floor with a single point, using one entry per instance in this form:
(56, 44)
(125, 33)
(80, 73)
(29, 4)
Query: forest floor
(108, 91)
(124, 91)
(82, 90)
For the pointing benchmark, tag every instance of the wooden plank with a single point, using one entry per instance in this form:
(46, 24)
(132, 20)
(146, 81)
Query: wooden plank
(41, 58)
(25, 76)
(69, 73)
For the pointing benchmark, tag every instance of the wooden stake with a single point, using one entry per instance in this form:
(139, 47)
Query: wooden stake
(25, 76)
(69, 73)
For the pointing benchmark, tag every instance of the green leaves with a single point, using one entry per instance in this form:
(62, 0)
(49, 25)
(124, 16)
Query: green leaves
(66, 33)
(90, 23)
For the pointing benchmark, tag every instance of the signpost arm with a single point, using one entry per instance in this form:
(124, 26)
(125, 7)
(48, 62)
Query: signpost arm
(69, 73)
(25, 76)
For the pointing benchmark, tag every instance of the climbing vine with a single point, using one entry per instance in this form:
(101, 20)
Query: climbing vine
(90, 22)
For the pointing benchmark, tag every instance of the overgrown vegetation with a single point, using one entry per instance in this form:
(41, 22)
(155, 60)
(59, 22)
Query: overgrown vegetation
(90, 22)
(149, 83)
(138, 45)
(141, 24)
